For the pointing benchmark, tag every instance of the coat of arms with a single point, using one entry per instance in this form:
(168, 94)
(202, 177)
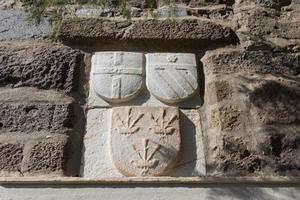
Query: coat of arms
(145, 141)
(117, 76)
(171, 77)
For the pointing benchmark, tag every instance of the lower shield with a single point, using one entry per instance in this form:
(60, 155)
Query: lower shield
(145, 141)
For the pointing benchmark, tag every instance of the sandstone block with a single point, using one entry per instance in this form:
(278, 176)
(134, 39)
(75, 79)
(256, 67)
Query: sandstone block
(228, 61)
(225, 118)
(45, 66)
(117, 76)
(14, 24)
(273, 102)
(260, 26)
(271, 154)
(256, 134)
(192, 31)
(218, 91)
(46, 156)
(171, 77)
(11, 156)
(29, 109)
(172, 11)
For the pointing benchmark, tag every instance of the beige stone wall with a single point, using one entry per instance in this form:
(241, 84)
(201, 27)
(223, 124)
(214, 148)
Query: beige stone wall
(240, 118)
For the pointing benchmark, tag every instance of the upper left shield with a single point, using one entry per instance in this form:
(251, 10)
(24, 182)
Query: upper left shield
(117, 76)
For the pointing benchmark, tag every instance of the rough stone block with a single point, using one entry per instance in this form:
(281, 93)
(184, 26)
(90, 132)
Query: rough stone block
(191, 31)
(260, 26)
(218, 91)
(11, 156)
(46, 156)
(172, 11)
(30, 109)
(15, 24)
(46, 66)
(265, 154)
(228, 61)
(257, 132)
(96, 156)
(275, 102)
(225, 118)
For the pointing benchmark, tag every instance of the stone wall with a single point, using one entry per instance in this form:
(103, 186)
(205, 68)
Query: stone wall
(205, 89)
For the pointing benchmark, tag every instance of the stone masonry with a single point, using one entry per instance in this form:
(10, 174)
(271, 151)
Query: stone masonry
(198, 88)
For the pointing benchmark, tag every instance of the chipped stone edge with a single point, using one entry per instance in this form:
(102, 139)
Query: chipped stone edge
(286, 181)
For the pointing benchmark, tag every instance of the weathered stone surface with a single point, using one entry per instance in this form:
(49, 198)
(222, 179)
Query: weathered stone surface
(254, 131)
(4, 4)
(145, 141)
(227, 61)
(272, 154)
(11, 156)
(15, 24)
(260, 26)
(171, 77)
(199, 31)
(29, 109)
(218, 12)
(225, 118)
(274, 102)
(46, 66)
(89, 12)
(218, 91)
(46, 156)
(96, 151)
(117, 76)
(172, 11)
(157, 191)
(37, 153)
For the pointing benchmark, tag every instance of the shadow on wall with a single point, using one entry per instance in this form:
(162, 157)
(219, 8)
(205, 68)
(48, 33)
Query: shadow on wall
(252, 193)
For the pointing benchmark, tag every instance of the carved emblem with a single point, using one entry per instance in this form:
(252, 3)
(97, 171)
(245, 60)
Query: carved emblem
(145, 141)
(128, 125)
(117, 76)
(163, 125)
(171, 77)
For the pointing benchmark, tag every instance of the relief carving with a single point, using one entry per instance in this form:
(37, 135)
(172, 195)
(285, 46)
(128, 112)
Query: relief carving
(145, 141)
(171, 77)
(117, 76)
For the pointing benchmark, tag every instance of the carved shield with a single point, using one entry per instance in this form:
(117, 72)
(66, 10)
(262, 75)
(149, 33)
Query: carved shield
(171, 77)
(117, 76)
(145, 141)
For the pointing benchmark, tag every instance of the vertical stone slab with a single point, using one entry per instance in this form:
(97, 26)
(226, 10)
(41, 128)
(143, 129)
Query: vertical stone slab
(97, 162)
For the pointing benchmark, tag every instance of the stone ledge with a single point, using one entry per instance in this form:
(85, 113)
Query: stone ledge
(193, 32)
(152, 180)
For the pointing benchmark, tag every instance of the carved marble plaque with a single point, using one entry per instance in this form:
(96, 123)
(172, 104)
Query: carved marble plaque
(171, 77)
(145, 141)
(117, 76)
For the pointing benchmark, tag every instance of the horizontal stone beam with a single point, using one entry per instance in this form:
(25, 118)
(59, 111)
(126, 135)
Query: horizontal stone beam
(200, 32)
